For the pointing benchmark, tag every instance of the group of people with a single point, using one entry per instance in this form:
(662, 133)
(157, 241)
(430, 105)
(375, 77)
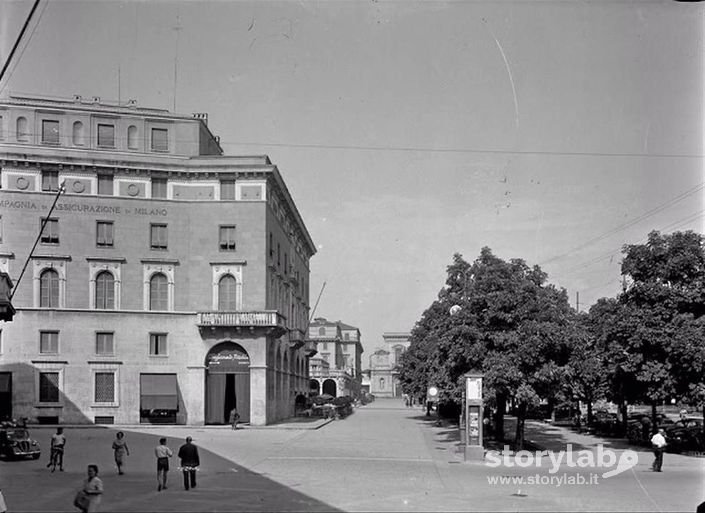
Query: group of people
(88, 497)
(190, 461)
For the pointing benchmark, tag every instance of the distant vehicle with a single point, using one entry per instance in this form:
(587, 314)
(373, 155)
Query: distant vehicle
(639, 428)
(15, 442)
(686, 435)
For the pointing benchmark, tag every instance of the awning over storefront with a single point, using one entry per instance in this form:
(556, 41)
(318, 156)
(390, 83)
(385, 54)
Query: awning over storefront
(158, 392)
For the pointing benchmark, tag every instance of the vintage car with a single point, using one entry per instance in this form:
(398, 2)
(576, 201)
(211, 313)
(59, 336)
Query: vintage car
(15, 442)
(686, 435)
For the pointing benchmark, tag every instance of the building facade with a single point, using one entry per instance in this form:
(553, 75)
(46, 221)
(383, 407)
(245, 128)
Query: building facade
(336, 370)
(383, 373)
(170, 282)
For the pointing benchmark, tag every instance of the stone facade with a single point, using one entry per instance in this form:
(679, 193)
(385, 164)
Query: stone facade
(337, 370)
(383, 375)
(165, 273)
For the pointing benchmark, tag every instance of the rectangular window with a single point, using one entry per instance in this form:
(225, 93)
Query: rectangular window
(50, 181)
(50, 131)
(157, 344)
(227, 238)
(49, 342)
(104, 387)
(159, 187)
(104, 234)
(0, 228)
(160, 139)
(105, 185)
(106, 136)
(50, 234)
(2, 126)
(158, 236)
(48, 387)
(104, 343)
(227, 189)
(271, 246)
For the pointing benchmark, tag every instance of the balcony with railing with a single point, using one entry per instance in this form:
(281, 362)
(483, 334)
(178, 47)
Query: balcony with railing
(270, 320)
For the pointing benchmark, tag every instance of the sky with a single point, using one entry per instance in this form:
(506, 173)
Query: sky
(407, 131)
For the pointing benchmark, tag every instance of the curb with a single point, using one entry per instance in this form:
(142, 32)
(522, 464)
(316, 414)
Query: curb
(118, 427)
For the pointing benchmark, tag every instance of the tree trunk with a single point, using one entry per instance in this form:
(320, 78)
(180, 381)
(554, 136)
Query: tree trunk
(589, 413)
(654, 424)
(623, 408)
(519, 436)
(499, 417)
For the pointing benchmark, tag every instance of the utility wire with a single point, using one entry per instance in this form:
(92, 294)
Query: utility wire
(615, 252)
(19, 39)
(632, 222)
(464, 150)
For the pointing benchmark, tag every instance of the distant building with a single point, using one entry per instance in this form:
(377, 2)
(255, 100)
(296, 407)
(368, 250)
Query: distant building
(171, 282)
(383, 373)
(337, 368)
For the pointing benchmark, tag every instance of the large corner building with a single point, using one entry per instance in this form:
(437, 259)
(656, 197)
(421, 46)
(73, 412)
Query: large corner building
(170, 283)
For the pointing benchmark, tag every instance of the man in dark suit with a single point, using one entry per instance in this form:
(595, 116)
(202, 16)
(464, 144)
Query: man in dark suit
(189, 462)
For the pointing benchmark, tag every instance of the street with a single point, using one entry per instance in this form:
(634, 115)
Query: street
(384, 457)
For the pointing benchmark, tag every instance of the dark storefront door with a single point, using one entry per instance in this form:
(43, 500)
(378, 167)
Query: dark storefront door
(5, 395)
(227, 383)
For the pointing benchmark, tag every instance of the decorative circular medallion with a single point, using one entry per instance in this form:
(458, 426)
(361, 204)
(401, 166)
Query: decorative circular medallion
(22, 183)
(133, 189)
(78, 186)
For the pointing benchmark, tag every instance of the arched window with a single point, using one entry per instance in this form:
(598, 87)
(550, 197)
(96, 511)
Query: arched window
(398, 351)
(158, 292)
(77, 135)
(49, 289)
(132, 143)
(105, 291)
(227, 293)
(321, 331)
(22, 131)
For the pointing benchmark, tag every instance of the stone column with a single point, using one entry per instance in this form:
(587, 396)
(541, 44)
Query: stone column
(193, 390)
(258, 395)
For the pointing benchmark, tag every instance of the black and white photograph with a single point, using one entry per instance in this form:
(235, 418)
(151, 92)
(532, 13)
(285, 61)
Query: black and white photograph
(352, 255)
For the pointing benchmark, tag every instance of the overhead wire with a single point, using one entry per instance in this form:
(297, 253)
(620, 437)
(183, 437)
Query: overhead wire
(629, 223)
(24, 47)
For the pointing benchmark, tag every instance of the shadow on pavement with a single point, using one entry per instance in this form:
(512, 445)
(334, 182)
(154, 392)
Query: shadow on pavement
(222, 484)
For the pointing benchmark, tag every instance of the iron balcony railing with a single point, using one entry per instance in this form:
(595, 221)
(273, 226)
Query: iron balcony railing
(251, 319)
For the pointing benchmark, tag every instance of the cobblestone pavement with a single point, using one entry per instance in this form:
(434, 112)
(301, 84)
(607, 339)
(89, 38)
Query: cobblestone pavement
(384, 457)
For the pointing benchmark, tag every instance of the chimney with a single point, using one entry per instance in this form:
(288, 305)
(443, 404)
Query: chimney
(132, 103)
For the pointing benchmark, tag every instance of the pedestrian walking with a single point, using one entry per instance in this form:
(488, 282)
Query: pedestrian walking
(234, 418)
(189, 462)
(56, 451)
(658, 442)
(121, 450)
(88, 497)
(163, 453)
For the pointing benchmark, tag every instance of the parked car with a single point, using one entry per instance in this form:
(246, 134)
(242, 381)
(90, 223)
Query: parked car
(639, 429)
(606, 423)
(686, 435)
(16, 443)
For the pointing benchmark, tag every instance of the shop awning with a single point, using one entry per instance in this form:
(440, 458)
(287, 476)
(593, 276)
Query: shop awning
(158, 392)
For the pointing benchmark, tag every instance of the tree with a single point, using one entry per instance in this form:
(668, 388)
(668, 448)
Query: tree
(660, 334)
(507, 321)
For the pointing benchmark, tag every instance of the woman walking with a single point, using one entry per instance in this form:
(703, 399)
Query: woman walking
(88, 498)
(121, 450)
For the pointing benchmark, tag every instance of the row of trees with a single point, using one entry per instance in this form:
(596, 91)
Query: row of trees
(645, 346)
